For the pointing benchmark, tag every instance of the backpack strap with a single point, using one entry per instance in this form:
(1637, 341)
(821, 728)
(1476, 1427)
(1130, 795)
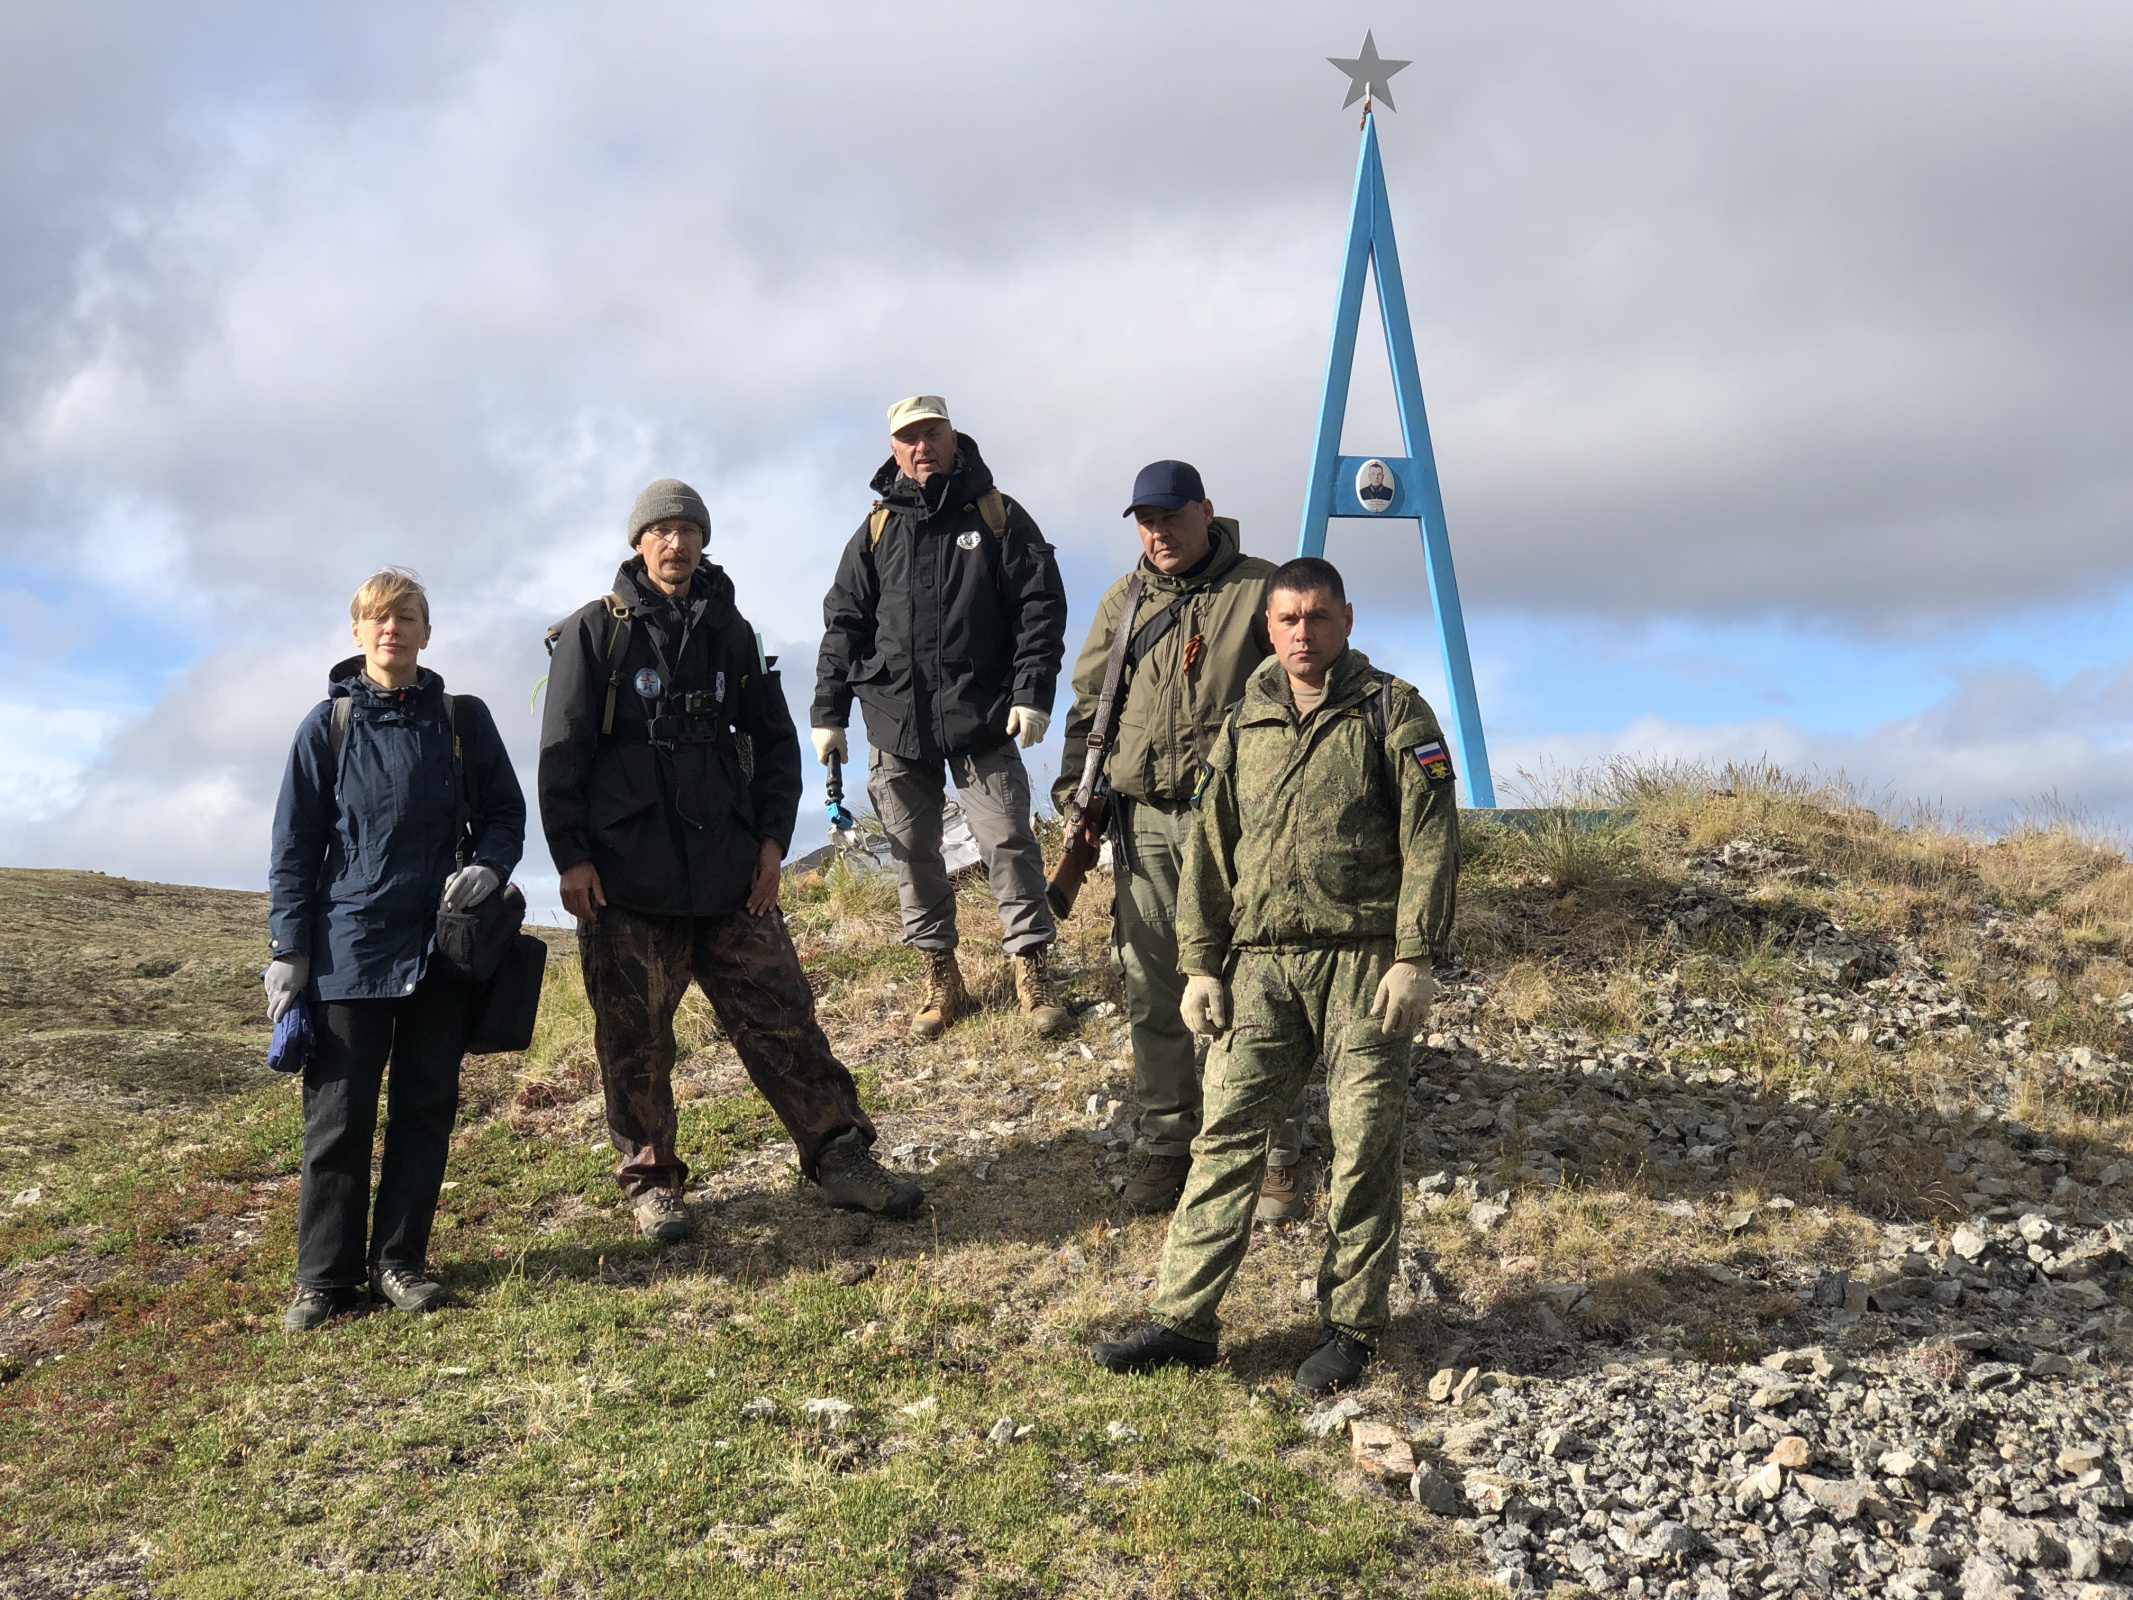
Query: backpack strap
(469, 782)
(991, 505)
(337, 732)
(1376, 717)
(618, 643)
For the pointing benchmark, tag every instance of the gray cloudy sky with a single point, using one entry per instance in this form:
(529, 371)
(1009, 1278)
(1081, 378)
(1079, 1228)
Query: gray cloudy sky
(1777, 356)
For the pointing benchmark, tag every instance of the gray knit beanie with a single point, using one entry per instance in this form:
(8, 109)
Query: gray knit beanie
(669, 497)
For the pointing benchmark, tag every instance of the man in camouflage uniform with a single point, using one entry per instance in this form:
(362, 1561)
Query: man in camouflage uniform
(1197, 633)
(1318, 887)
(669, 833)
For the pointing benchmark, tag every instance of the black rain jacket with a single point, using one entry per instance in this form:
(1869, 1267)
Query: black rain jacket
(674, 826)
(941, 626)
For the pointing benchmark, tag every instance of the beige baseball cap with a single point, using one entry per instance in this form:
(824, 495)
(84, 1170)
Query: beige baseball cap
(919, 408)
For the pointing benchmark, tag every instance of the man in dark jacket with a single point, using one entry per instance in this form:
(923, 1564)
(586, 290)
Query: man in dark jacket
(948, 622)
(669, 833)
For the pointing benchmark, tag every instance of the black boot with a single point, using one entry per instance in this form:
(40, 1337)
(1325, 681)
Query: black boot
(1152, 1345)
(312, 1307)
(409, 1288)
(1336, 1363)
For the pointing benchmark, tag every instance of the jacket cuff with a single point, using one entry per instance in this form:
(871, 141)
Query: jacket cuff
(1202, 960)
(1412, 948)
(568, 853)
(289, 942)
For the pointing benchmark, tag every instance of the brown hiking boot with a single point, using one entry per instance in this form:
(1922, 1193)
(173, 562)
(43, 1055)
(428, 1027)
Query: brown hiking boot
(663, 1216)
(1281, 1194)
(1157, 1185)
(1033, 988)
(947, 1000)
(855, 1181)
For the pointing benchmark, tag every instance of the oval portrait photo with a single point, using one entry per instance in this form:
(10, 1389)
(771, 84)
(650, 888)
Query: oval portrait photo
(1375, 486)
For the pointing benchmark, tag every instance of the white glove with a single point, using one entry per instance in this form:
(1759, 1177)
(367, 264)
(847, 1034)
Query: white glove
(469, 886)
(830, 742)
(285, 978)
(1401, 1004)
(1205, 1006)
(1027, 724)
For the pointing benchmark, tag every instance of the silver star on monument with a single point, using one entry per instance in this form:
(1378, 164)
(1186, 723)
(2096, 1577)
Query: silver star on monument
(1369, 74)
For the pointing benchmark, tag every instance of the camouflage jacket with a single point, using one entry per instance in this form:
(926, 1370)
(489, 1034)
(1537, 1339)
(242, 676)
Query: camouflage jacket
(1324, 834)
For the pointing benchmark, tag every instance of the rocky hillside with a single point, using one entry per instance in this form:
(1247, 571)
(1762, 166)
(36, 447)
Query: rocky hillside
(1771, 1206)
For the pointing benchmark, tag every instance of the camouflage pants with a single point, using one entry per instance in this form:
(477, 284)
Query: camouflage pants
(1166, 1066)
(1287, 1007)
(637, 968)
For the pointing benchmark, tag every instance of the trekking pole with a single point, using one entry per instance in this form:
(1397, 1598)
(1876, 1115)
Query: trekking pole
(844, 827)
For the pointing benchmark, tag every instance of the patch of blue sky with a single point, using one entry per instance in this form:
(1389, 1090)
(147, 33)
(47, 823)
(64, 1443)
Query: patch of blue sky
(66, 645)
(1541, 674)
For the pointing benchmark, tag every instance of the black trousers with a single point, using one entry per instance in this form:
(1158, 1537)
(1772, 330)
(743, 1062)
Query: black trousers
(422, 1039)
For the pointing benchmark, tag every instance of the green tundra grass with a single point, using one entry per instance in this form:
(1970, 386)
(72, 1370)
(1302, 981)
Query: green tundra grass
(595, 1417)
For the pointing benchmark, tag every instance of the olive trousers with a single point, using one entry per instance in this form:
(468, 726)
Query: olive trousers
(1286, 1008)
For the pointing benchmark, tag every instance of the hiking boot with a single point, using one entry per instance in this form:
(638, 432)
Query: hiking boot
(1157, 1185)
(1336, 1363)
(947, 1001)
(1281, 1194)
(663, 1216)
(409, 1288)
(1033, 988)
(1152, 1345)
(855, 1181)
(315, 1306)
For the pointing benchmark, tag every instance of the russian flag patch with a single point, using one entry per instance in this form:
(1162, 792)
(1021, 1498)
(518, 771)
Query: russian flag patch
(1434, 760)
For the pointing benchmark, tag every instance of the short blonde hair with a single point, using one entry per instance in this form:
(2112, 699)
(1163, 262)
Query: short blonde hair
(383, 591)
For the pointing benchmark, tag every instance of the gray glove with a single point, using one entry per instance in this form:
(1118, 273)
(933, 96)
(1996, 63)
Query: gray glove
(469, 886)
(286, 977)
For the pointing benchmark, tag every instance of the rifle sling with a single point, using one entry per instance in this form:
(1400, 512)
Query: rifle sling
(1152, 632)
(1107, 702)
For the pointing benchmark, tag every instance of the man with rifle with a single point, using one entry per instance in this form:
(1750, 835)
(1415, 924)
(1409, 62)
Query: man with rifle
(1172, 647)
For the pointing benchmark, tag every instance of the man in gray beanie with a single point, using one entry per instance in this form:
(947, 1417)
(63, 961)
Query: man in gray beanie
(670, 846)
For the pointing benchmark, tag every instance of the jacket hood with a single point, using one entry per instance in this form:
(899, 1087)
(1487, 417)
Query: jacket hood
(967, 479)
(1347, 681)
(347, 680)
(1225, 546)
(635, 589)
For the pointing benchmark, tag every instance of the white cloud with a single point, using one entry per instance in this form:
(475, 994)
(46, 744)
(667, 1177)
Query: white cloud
(1721, 315)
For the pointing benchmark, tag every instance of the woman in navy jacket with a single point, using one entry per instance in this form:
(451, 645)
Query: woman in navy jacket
(366, 845)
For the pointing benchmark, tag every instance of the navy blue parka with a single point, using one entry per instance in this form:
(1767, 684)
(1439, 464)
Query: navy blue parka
(356, 877)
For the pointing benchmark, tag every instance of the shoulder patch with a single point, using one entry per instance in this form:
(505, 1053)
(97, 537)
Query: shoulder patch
(1434, 760)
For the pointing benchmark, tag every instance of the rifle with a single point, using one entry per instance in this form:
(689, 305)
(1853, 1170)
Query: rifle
(1090, 812)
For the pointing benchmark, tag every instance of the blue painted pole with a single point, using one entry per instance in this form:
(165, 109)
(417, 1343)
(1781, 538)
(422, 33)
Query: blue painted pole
(1422, 461)
(1340, 361)
(1371, 240)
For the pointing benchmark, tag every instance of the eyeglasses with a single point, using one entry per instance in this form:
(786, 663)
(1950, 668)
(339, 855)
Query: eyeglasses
(673, 537)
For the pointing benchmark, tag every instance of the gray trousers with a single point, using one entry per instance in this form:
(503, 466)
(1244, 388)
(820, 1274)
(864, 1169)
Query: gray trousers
(994, 790)
(1166, 1067)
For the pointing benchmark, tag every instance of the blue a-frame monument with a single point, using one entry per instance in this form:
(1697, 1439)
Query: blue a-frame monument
(1338, 482)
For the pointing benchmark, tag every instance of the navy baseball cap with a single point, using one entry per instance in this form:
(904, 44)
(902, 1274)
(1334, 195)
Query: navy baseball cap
(1166, 485)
